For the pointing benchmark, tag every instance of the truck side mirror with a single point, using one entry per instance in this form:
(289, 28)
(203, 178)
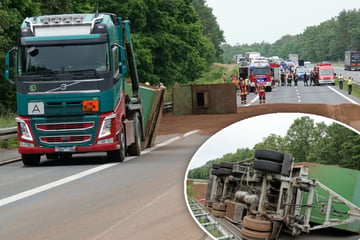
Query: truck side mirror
(8, 64)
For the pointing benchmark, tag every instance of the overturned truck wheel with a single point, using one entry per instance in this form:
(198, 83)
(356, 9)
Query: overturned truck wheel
(251, 223)
(252, 235)
(267, 166)
(271, 155)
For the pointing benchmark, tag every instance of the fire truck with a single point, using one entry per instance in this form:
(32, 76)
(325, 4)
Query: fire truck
(257, 71)
(325, 73)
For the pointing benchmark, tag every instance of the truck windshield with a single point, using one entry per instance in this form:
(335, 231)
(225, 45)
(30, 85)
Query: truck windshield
(324, 72)
(260, 71)
(64, 58)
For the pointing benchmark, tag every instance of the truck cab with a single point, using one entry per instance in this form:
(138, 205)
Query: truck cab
(70, 87)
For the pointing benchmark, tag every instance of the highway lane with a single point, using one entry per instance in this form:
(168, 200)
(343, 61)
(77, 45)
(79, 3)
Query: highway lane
(139, 199)
(303, 94)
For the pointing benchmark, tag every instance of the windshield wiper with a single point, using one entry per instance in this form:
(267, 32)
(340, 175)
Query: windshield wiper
(83, 71)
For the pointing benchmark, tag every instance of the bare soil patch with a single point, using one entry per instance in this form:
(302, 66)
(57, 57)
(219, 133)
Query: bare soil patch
(208, 124)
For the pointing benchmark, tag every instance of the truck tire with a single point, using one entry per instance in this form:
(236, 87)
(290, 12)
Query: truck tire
(215, 172)
(228, 165)
(225, 171)
(269, 155)
(135, 148)
(219, 206)
(251, 223)
(216, 165)
(30, 160)
(118, 155)
(218, 214)
(287, 165)
(267, 166)
(250, 235)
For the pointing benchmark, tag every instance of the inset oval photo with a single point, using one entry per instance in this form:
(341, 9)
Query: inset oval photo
(276, 176)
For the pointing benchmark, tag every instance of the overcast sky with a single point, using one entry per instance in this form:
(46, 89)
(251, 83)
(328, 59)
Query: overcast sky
(249, 21)
(247, 133)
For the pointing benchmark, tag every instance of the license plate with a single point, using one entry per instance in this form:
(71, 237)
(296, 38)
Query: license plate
(65, 149)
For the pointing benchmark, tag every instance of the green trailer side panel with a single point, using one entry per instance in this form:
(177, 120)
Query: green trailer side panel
(182, 100)
(345, 182)
(147, 97)
(152, 100)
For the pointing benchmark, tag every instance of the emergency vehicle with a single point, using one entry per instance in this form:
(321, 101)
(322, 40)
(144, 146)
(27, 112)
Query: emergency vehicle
(325, 73)
(259, 71)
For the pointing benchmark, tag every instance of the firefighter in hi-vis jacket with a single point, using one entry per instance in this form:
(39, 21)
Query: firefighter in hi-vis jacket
(260, 88)
(243, 90)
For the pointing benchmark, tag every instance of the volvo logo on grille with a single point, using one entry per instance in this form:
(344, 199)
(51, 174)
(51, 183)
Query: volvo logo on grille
(66, 139)
(63, 86)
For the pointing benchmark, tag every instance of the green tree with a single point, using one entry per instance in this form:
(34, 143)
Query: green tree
(274, 142)
(299, 138)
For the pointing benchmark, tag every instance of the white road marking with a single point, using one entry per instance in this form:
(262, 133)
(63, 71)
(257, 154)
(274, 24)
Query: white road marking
(252, 101)
(342, 95)
(49, 186)
(77, 176)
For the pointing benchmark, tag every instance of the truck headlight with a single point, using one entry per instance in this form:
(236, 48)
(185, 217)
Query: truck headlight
(24, 131)
(106, 127)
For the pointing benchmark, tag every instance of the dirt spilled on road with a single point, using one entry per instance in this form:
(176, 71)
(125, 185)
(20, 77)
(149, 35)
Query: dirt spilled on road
(208, 124)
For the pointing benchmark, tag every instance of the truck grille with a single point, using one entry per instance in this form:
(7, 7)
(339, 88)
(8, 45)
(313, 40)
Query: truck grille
(80, 126)
(65, 139)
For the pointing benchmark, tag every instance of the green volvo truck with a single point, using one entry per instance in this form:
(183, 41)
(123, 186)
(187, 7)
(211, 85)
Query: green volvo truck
(70, 87)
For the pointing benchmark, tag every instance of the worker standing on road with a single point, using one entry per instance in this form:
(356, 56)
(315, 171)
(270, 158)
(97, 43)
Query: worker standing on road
(349, 84)
(282, 78)
(260, 87)
(306, 78)
(295, 77)
(247, 84)
(243, 91)
(341, 81)
(289, 79)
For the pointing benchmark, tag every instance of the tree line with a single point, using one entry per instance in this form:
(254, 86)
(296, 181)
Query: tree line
(307, 141)
(174, 40)
(324, 42)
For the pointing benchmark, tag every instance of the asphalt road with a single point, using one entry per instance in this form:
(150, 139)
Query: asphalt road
(303, 94)
(89, 198)
(142, 198)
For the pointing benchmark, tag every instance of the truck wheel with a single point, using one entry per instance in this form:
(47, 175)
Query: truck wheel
(225, 171)
(267, 166)
(215, 172)
(219, 206)
(249, 234)
(217, 213)
(228, 165)
(118, 155)
(135, 148)
(216, 165)
(251, 223)
(30, 160)
(269, 155)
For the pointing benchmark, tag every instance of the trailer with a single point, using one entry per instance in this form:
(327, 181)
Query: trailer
(270, 194)
(352, 60)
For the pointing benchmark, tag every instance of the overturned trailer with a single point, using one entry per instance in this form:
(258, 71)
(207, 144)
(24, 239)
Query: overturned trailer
(270, 193)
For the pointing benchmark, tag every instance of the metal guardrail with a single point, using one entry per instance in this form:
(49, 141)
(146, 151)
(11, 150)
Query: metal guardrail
(6, 133)
(168, 106)
(209, 222)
